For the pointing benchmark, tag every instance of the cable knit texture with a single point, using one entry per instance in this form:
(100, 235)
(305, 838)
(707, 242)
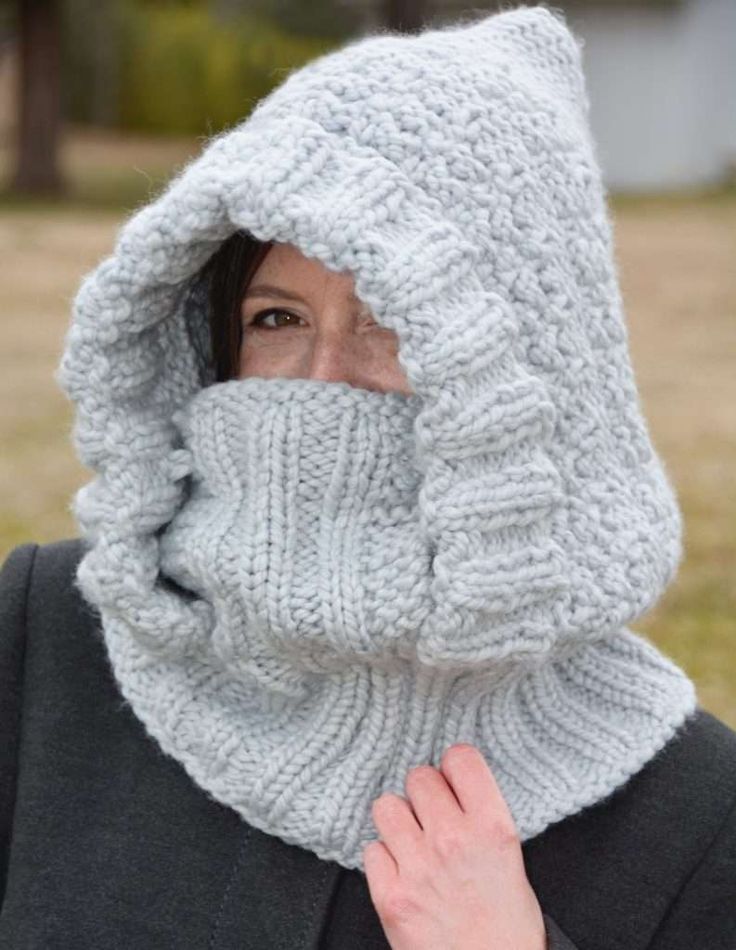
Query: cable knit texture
(307, 588)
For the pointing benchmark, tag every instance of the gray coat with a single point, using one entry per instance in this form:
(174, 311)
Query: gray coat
(105, 842)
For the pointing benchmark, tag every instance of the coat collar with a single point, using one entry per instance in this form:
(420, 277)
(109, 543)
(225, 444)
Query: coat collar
(277, 896)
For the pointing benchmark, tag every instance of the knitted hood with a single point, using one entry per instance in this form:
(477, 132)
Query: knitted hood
(452, 172)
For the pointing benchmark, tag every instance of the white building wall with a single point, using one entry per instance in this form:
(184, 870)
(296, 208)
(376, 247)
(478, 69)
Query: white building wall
(662, 85)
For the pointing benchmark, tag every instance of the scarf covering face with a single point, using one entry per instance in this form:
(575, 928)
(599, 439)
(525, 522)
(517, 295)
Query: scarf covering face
(306, 588)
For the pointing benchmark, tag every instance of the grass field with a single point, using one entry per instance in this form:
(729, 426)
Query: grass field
(676, 258)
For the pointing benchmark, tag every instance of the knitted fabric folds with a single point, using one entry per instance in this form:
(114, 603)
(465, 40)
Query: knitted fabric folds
(306, 588)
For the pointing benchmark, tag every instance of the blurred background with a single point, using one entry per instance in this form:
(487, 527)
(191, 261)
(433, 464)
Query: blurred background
(101, 102)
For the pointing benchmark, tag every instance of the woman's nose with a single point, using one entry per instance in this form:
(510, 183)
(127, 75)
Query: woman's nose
(333, 357)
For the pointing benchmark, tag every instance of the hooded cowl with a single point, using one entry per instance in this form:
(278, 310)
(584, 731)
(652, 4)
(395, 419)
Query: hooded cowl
(306, 588)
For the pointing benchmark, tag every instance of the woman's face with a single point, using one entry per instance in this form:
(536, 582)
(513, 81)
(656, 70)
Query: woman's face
(302, 320)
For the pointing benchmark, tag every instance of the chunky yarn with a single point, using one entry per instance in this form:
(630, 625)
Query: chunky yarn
(306, 588)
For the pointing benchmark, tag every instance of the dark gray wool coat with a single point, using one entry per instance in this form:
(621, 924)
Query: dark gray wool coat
(105, 842)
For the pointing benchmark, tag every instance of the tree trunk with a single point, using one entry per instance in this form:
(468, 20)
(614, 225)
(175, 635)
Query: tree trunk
(39, 98)
(405, 15)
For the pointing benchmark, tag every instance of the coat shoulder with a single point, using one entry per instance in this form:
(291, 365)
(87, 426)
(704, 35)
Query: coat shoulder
(46, 625)
(40, 579)
(701, 760)
(636, 852)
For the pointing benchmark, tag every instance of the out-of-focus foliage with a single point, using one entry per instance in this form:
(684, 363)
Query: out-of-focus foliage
(331, 19)
(175, 68)
(183, 72)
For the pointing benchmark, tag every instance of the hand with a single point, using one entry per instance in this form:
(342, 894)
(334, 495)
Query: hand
(449, 874)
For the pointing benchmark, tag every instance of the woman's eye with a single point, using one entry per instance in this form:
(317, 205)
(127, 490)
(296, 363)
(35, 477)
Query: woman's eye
(259, 318)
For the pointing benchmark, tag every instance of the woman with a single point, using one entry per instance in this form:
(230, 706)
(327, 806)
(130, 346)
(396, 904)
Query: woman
(340, 658)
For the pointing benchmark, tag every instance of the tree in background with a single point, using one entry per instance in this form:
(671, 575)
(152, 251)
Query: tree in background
(37, 168)
(405, 15)
(91, 53)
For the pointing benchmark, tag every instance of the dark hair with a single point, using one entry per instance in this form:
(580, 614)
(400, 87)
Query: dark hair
(226, 276)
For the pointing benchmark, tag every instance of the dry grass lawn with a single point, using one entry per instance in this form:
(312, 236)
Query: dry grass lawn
(676, 260)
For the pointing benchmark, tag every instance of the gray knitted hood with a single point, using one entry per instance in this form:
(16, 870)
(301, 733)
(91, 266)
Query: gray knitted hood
(453, 174)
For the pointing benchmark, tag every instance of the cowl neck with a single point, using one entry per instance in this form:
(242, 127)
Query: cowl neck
(309, 685)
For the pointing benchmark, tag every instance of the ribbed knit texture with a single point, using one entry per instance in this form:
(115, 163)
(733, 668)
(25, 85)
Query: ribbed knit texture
(307, 588)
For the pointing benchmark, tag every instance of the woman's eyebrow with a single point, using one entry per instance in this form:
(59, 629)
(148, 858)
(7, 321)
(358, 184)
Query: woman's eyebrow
(272, 290)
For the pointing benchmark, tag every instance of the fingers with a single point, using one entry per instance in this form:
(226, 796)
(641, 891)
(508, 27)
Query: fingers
(464, 789)
(397, 827)
(381, 870)
(433, 801)
(476, 789)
